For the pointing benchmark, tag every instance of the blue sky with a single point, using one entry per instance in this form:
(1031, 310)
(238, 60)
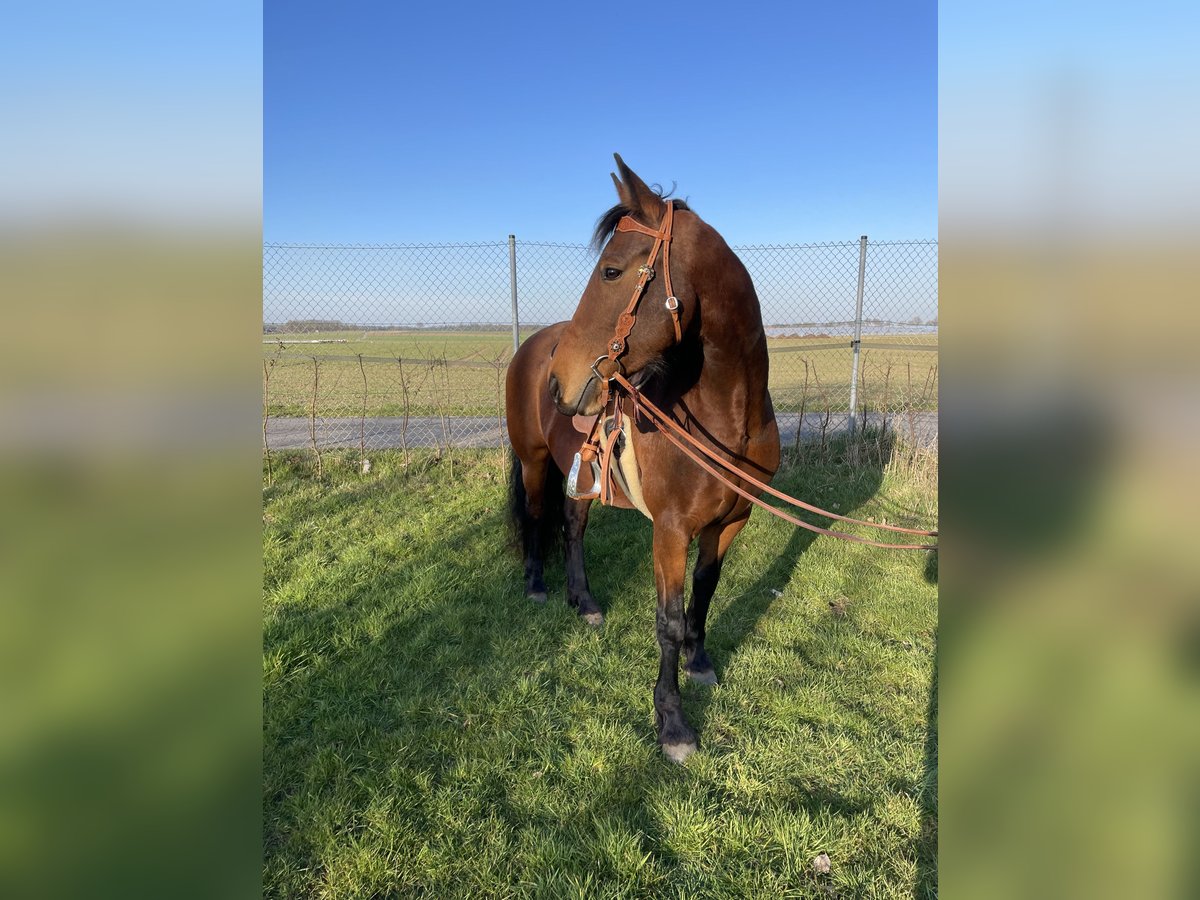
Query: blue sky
(136, 109)
(1084, 124)
(465, 122)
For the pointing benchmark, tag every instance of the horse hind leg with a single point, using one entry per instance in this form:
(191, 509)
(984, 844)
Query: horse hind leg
(536, 507)
(713, 544)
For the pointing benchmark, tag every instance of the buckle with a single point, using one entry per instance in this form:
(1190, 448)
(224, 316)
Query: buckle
(672, 303)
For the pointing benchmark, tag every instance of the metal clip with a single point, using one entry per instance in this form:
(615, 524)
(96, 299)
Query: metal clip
(647, 271)
(596, 371)
(672, 303)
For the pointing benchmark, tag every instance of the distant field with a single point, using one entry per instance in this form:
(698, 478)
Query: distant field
(901, 375)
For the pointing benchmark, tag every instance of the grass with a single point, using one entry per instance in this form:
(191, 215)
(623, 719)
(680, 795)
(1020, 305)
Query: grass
(430, 733)
(805, 371)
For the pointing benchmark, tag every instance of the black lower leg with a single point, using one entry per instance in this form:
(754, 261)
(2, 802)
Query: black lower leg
(529, 508)
(535, 585)
(674, 732)
(579, 594)
(704, 585)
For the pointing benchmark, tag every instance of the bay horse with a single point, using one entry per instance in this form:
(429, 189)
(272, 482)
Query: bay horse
(691, 340)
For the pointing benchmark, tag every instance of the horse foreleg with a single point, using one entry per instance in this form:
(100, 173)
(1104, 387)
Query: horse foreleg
(676, 736)
(713, 544)
(579, 595)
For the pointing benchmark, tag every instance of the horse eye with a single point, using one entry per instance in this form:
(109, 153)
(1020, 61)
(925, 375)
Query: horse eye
(611, 274)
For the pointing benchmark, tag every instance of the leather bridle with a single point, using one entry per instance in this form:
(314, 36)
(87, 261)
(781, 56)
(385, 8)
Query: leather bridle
(677, 434)
(619, 342)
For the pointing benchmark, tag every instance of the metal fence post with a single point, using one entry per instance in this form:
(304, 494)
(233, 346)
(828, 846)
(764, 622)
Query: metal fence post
(512, 281)
(856, 343)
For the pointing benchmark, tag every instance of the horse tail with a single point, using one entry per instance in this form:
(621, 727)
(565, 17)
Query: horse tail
(545, 532)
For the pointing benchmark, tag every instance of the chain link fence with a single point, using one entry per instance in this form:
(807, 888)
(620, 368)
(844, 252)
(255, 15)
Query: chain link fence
(405, 346)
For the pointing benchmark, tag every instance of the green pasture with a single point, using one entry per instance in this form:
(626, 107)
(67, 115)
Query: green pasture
(431, 372)
(428, 732)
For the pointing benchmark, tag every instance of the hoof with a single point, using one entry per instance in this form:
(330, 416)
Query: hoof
(708, 677)
(595, 619)
(537, 598)
(677, 753)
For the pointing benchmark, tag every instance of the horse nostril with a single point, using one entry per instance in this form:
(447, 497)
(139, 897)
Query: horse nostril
(555, 390)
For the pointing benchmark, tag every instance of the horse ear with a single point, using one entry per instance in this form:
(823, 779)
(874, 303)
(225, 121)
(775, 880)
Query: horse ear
(636, 195)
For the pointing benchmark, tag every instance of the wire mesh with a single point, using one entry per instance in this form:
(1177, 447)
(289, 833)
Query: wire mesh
(406, 345)
(898, 368)
(807, 294)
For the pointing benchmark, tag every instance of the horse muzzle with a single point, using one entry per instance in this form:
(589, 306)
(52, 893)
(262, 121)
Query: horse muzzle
(585, 403)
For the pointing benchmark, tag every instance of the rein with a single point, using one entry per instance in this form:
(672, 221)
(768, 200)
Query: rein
(666, 425)
(672, 430)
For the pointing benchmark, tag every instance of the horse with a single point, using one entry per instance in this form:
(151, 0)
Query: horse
(691, 341)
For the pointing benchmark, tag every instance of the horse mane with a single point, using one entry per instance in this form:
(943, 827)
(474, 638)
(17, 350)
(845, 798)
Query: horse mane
(607, 223)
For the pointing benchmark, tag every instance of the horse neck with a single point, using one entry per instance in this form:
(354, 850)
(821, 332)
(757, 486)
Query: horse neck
(734, 370)
(734, 343)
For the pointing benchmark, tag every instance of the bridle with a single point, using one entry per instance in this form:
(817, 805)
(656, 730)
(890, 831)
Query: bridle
(600, 458)
(619, 341)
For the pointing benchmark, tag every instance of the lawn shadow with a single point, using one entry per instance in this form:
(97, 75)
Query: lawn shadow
(380, 686)
(383, 653)
(737, 619)
(401, 685)
(627, 538)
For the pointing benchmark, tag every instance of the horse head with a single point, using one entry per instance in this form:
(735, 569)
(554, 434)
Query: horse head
(582, 358)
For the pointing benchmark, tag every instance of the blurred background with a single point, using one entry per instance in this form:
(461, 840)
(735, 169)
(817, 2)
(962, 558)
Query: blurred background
(130, 255)
(1069, 217)
(130, 396)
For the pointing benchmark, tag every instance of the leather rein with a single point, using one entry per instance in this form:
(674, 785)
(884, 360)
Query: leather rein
(600, 458)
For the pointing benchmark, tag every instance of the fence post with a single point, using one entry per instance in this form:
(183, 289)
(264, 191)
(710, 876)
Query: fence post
(856, 343)
(512, 281)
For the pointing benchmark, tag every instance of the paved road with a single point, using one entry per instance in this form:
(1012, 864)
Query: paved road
(484, 431)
